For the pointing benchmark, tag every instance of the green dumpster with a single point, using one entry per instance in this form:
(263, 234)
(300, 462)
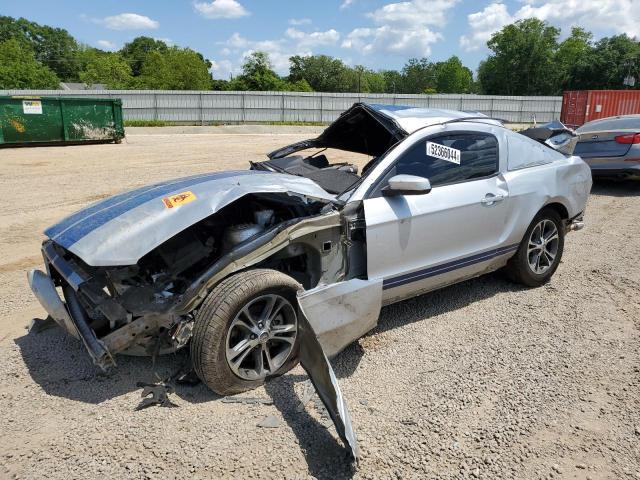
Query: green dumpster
(59, 120)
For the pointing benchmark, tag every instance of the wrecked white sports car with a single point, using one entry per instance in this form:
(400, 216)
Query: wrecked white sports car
(230, 262)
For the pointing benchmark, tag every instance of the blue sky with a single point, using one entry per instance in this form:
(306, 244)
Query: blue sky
(375, 33)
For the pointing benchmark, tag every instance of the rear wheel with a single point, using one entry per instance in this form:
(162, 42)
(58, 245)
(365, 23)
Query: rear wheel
(246, 331)
(540, 251)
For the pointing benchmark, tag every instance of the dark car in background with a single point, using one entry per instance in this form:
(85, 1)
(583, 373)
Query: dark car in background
(611, 146)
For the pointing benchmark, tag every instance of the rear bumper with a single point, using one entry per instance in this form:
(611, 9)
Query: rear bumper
(620, 169)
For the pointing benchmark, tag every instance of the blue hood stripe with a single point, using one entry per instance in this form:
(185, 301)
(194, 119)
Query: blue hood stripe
(80, 224)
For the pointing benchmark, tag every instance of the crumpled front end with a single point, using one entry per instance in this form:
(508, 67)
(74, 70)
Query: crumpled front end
(90, 311)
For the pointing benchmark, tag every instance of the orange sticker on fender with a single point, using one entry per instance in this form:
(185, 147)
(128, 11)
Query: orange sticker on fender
(178, 199)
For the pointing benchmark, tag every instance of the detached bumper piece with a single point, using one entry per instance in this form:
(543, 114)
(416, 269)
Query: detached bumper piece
(323, 378)
(70, 316)
(46, 293)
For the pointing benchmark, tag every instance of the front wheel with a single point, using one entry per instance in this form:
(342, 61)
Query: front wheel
(246, 331)
(540, 251)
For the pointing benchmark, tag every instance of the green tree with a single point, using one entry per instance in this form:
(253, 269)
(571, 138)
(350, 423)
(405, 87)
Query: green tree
(607, 64)
(452, 76)
(136, 51)
(323, 73)
(393, 81)
(571, 56)
(107, 68)
(298, 86)
(20, 69)
(53, 47)
(522, 60)
(418, 76)
(257, 74)
(375, 81)
(175, 69)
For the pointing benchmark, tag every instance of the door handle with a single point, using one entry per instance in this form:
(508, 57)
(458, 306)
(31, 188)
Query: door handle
(491, 199)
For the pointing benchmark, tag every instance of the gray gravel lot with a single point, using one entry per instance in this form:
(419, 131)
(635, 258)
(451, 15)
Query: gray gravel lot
(484, 379)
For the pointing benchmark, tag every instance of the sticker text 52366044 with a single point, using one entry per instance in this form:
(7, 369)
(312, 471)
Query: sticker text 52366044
(443, 153)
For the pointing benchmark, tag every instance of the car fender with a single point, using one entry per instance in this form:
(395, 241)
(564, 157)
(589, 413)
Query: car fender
(342, 312)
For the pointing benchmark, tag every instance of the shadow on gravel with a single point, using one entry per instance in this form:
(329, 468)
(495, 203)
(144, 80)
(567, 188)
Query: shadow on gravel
(441, 301)
(616, 188)
(60, 365)
(325, 455)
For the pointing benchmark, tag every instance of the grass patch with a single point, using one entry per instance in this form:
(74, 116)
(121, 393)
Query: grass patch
(163, 123)
(295, 124)
(145, 123)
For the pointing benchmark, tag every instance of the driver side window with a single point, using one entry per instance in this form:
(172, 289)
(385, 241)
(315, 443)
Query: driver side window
(476, 152)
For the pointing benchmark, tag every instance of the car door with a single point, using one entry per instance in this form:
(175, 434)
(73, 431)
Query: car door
(417, 243)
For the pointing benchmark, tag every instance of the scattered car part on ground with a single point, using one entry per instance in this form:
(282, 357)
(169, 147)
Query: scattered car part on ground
(611, 146)
(155, 394)
(247, 400)
(217, 260)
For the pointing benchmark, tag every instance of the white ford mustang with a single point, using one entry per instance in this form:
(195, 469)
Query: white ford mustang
(234, 262)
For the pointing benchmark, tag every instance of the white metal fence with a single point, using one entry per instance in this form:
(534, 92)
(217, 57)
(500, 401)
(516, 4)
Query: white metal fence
(202, 107)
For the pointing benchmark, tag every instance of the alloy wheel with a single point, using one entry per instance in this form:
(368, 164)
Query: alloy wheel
(543, 246)
(261, 337)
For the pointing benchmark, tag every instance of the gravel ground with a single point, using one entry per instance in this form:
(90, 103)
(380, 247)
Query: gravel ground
(480, 380)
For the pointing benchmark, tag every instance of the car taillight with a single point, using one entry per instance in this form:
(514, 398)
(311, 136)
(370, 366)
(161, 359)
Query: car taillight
(628, 138)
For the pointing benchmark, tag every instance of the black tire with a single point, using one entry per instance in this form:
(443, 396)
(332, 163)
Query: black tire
(518, 268)
(215, 316)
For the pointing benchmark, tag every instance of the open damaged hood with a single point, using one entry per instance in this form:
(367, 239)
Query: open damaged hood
(371, 128)
(121, 229)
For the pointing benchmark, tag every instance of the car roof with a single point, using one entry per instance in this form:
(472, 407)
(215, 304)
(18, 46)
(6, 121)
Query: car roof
(620, 122)
(411, 118)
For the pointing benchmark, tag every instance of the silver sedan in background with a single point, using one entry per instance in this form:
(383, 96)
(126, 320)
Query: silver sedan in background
(611, 146)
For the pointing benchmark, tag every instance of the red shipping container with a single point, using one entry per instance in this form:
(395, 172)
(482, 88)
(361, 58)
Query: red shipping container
(582, 106)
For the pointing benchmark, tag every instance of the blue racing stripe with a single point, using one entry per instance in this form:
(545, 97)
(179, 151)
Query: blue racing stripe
(446, 267)
(80, 224)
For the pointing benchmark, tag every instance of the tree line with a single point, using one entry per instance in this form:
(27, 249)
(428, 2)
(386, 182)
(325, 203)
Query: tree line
(526, 58)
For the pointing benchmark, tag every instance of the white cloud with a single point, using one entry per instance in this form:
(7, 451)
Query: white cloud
(279, 50)
(483, 24)
(221, 9)
(106, 45)
(599, 16)
(223, 69)
(405, 28)
(303, 39)
(618, 16)
(414, 13)
(129, 21)
(410, 42)
(347, 4)
(299, 21)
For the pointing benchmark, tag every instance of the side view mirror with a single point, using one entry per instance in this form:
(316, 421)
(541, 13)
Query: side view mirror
(406, 185)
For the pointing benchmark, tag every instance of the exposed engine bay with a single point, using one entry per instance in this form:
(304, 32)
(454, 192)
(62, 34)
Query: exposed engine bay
(147, 308)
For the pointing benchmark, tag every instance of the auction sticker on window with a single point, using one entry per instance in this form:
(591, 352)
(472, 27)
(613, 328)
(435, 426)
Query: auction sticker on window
(32, 107)
(443, 153)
